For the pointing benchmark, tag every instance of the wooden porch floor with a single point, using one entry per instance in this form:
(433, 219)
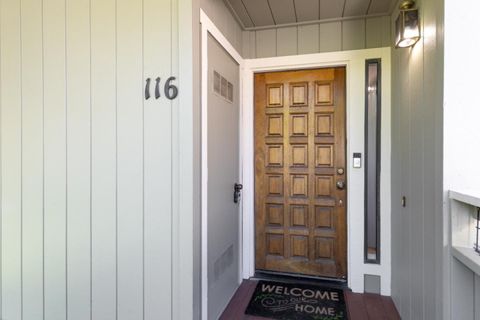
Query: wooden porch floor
(359, 306)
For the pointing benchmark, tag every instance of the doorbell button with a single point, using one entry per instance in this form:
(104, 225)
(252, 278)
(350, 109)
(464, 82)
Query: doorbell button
(357, 160)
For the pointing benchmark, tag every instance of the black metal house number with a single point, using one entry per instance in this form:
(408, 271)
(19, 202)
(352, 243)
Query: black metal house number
(170, 90)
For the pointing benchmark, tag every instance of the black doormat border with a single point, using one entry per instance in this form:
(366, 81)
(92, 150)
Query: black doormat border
(291, 301)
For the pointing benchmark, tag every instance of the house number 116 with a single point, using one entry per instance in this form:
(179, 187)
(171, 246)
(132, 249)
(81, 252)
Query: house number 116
(170, 90)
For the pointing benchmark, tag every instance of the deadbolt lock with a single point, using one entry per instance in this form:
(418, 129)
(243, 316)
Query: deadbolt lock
(340, 171)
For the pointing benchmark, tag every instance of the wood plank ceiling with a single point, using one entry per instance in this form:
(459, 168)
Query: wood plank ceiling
(268, 13)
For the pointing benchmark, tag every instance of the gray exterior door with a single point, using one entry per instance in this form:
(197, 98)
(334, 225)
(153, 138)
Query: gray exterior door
(223, 173)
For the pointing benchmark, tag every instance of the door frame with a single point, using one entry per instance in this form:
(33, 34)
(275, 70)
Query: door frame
(209, 28)
(354, 62)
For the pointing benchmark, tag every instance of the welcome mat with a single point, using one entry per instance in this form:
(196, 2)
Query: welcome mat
(287, 301)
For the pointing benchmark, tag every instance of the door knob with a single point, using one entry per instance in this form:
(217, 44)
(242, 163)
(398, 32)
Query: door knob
(340, 185)
(236, 192)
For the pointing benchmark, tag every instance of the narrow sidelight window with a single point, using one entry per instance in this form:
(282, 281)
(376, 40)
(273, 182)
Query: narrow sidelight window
(372, 160)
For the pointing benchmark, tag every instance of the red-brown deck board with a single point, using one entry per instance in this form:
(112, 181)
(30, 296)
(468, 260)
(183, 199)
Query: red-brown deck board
(360, 306)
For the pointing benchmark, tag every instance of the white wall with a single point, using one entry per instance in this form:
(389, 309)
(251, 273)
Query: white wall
(96, 182)
(461, 140)
(462, 112)
(318, 37)
(417, 97)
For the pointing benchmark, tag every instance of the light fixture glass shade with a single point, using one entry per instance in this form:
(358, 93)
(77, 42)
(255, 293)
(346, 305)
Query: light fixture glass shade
(407, 31)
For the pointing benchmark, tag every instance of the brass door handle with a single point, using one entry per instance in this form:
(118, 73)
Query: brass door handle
(340, 185)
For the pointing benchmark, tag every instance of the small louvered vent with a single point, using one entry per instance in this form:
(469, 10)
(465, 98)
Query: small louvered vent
(230, 92)
(216, 82)
(222, 87)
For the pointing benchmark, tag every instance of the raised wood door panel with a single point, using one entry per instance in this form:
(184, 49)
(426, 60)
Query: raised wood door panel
(300, 214)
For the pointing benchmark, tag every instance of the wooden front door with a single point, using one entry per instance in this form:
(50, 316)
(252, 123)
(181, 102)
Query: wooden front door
(300, 174)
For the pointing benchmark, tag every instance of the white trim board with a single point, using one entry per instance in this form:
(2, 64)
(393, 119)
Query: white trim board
(209, 28)
(354, 61)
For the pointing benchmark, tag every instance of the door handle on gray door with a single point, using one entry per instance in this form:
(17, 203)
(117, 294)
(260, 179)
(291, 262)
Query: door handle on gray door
(236, 192)
(340, 184)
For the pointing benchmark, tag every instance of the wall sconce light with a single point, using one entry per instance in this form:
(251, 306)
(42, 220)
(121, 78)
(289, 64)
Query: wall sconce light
(407, 30)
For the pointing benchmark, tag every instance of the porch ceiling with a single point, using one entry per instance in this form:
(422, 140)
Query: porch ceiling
(254, 14)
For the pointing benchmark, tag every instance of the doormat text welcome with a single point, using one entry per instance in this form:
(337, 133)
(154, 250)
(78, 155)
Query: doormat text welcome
(285, 301)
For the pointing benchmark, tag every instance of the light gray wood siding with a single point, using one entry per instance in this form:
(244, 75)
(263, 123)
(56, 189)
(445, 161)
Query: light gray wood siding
(308, 39)
(376, 33)
(353, 35)
(103, 155)
(417, 107)
(320, 37)
(331, 37)
(94, 192)
(285, 38)
(266, 43)
(225, 21)
(464, 292)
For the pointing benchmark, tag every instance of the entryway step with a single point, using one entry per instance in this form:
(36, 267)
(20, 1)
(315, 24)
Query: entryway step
(365, 306)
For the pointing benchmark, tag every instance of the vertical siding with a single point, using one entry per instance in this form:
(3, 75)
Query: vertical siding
(32, 159)
(11, 145)
(416, 168)
(308, 39)
(104, 160)
(266, 43)
(463, 291)
(55, 137)
(377, 32)
(330, 37)
(353, 34)
(78, 159)
(476, 294)
(417, 154)
(287, 41)
(157, 139)
(323, 37)
(130, 150)
(249, 45)
(223, 18)
(433, 47)
(87, 179)
(401, 135)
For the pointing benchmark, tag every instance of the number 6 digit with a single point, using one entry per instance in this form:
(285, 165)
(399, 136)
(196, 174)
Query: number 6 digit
(171, 91)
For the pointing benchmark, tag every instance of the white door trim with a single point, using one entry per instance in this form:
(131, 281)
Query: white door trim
(354, 61)
(209, 28)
